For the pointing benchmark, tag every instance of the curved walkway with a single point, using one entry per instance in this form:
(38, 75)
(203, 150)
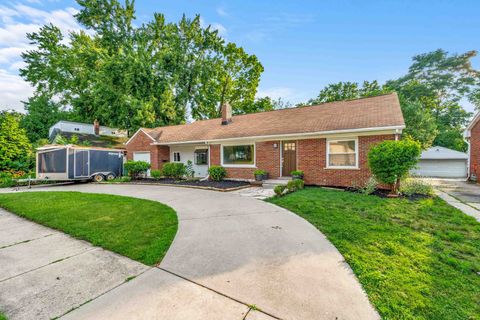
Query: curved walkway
(245, 251)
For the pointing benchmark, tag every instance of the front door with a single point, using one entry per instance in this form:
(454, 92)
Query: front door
(289, 157)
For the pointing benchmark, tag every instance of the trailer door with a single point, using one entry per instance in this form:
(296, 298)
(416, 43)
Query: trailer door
(82, 164)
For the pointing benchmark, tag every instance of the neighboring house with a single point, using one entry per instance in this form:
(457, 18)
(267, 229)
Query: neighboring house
(88, 134)
(440, 162)
(472, 134)
(329, 142)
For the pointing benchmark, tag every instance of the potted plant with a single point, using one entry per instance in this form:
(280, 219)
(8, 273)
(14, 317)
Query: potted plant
(260, 175)
(297, 174)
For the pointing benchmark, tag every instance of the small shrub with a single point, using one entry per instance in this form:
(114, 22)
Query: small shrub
(279, 190)
(299, 184)
(175, 170)
(291, 186)
(217, 173)
(190, 173)
(370, 186)
(135, 168)
(156, 174)
(120, 179)
(410, 187)
(391, 160)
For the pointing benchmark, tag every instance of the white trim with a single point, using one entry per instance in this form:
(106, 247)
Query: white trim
(328, 166)
(470, 126)
(141, 129)
(254, 165)
(291, 135)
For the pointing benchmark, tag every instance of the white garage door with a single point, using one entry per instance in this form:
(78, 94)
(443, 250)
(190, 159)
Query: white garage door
(441, 168)
(142, 156)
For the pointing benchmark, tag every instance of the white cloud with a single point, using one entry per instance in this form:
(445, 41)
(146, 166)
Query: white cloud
(16, 20)
(13, 90)
(276, 92)
(222, 12)
(222, 31)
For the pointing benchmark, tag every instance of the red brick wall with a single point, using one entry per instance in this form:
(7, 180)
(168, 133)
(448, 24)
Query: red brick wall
(475, 150)
(158, 154)
(267, 158)
(311, 158)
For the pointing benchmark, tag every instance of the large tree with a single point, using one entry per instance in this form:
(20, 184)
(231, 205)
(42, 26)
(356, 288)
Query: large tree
(347, 91)
(127, 76)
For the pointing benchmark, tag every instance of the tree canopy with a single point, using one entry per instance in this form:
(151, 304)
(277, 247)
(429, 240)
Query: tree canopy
(430, 95)
(155, 74)
(15, 149)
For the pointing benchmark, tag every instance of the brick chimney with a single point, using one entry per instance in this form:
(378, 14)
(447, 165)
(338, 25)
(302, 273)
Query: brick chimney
(226, 113)
(96, 127)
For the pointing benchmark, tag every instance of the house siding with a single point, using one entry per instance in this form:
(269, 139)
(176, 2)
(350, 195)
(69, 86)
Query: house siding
(475, 150)
(158, 154)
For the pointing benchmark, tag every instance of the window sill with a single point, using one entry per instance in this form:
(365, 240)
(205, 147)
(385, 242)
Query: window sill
(341, 168)
(239, 166)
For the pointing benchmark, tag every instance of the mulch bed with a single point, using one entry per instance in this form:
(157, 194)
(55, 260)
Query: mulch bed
(223, 185)
(384, 194)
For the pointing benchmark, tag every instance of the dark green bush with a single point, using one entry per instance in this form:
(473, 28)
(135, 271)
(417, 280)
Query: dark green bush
(259, 172)
(279, 190)
(217, 173)
(291, 186)
(175, 170)
(297, 173)
(156, 174)
(135, 168)
(391, 160)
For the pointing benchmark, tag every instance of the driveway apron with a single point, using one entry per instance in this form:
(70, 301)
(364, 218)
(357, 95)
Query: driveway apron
(245, 250)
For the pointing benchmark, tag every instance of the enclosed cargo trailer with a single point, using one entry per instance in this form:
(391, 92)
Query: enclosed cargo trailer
(69, 162)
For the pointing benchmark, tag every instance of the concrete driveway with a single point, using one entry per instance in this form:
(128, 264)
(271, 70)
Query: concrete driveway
(232, 252)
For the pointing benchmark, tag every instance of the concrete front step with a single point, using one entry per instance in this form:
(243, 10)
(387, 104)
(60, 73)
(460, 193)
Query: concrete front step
(271, 183)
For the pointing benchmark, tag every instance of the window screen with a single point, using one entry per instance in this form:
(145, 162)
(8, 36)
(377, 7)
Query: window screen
(52, 161)
(342, 153)
(201, 156)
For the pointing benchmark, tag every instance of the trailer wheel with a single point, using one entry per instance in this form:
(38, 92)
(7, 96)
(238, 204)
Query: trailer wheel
(98, 178)
(110, 176)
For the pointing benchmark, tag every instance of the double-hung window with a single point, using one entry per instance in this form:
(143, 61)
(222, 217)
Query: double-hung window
(238, 155)
(342, 154)
(176, 156)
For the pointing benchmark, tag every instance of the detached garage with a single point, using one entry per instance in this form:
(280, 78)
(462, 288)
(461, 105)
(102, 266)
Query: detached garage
(440, 162)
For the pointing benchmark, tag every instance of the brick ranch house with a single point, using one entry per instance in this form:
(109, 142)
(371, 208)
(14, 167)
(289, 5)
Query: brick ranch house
(329, 142)
(472, 134)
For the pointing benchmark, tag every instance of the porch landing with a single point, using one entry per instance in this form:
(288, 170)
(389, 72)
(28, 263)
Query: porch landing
(271, 183)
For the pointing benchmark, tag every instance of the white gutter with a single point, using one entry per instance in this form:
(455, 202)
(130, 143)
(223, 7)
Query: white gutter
(398, 129)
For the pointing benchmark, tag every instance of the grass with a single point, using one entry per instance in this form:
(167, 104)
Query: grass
(415, 259)
(139, 229)
(2, 316)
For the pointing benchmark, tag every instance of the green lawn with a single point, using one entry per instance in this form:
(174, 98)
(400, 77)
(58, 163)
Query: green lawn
(415, 259)
(2, 316)
(139, 229)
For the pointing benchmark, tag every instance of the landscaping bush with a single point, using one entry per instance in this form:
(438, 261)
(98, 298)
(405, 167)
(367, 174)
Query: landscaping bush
(6, 180)
(190, 173)
(279, 190)
(156, 174)
(259, 172)
(174, 170)
(135, 168)
(410, 187)
(120, 179)
(370, 186)
(299, 184)
(217, 173)
(391, 160)
(291, 186)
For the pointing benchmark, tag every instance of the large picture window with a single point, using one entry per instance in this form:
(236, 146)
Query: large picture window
(342, 153)
(239, 155)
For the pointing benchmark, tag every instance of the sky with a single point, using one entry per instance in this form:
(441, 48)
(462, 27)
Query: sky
(303, 45)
